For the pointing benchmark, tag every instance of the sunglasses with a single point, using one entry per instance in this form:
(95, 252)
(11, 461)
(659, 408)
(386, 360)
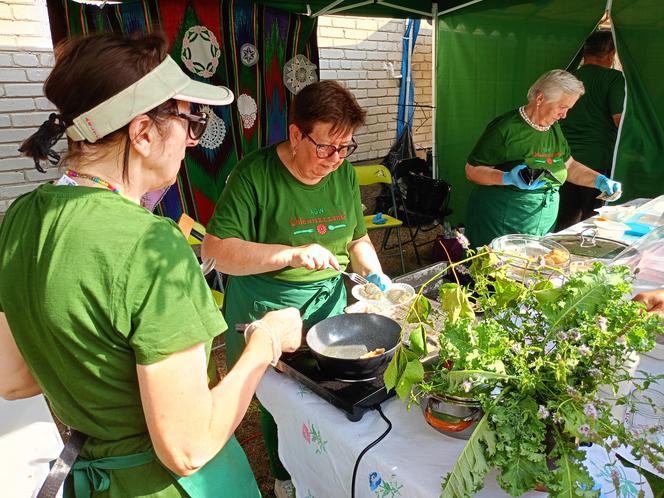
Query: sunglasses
(323, 151)
(196, 121)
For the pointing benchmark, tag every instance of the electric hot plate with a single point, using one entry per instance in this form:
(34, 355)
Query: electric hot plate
(354, 397)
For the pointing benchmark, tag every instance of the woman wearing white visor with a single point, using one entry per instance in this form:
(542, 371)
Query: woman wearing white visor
(103, 307)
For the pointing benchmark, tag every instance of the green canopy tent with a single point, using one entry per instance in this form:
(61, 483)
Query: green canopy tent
(488, 53)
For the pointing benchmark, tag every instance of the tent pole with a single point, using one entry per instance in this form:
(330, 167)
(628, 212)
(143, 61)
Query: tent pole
(401, 7)
(330, 11)
(462, 6)
(434, 68)
(614, 159)
(325, 9)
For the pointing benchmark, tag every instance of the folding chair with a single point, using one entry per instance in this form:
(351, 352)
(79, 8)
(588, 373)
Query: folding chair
(423, 200)
(195, 232)
(371, 175)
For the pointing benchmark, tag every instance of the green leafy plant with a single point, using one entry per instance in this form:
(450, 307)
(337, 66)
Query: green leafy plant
(545, 362)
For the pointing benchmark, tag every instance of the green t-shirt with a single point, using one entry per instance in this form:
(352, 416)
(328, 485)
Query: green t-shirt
(589, 126)
(263, 202)
(92, 284)
(508, 141)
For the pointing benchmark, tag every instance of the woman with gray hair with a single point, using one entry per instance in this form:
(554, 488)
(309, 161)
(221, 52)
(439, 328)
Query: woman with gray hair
(520, 162)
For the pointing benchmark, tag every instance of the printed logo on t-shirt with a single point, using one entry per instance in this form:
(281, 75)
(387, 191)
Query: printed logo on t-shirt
(544, 158)
(316, 222)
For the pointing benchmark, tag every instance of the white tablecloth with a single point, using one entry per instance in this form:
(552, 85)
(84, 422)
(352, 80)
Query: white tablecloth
(29, 440)
(318, 445)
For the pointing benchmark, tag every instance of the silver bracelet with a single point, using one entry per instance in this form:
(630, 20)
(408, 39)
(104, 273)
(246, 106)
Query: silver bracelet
(276, 344)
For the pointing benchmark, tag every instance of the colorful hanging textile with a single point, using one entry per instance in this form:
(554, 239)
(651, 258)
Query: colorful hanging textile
(128, 17)
(262, 54)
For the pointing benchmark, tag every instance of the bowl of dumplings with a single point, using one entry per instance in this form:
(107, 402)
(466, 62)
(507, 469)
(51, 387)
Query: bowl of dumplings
(395, 295)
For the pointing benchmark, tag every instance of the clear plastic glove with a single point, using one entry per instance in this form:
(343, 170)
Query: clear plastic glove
(381, 280)
(282, 327)
(512, 177)
(608, 186)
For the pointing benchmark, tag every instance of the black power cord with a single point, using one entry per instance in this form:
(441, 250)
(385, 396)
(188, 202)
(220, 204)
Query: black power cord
(371, 445)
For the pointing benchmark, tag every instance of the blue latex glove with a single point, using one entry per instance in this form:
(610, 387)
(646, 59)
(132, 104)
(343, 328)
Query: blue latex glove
(512, 178)
(606, 185)
(379, 279)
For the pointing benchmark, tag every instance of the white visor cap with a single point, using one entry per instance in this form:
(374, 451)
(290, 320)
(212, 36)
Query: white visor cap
(166, 81)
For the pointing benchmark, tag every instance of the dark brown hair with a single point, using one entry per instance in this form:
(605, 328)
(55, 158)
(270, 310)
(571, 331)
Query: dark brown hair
(326, 102)
(89, 70)
(599, 44)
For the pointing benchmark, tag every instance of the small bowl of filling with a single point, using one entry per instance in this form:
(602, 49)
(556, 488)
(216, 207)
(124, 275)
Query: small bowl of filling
(395, 295)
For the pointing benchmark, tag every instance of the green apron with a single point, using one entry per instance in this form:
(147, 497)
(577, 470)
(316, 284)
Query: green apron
(494, 211)
(228, 474)
(248, 298)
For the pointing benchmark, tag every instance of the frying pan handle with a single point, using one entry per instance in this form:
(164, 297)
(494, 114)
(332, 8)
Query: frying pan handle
(241, 327)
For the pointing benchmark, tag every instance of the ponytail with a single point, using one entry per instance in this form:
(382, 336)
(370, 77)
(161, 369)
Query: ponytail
(40, 144)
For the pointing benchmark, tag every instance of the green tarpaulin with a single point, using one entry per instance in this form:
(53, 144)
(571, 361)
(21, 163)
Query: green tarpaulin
(639, 27)
(488, 56)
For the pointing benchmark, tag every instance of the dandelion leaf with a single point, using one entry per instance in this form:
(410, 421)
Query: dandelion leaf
(467, 475)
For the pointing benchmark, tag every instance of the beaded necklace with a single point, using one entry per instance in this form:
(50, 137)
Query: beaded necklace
(75, 174)
(522, 111)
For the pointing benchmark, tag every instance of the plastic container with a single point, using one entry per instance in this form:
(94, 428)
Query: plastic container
(610, 229)
(524, 253)
(615, 213)
(645, 258)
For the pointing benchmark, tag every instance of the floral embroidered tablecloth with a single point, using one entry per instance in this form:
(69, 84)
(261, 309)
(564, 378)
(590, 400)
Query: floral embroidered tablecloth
(318, 445)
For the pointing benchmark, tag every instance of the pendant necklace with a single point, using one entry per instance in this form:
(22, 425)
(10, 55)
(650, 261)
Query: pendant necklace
(75, 174)
(522, 112)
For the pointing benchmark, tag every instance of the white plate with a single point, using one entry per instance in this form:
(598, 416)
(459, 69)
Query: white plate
(383, 301)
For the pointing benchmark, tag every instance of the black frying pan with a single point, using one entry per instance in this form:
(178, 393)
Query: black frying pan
(338, 342)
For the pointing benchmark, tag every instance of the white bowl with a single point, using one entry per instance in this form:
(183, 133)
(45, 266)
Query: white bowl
(383, 301)
(610, 229)
(615, 213)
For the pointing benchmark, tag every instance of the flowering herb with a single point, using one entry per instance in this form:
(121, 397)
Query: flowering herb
(541, 361)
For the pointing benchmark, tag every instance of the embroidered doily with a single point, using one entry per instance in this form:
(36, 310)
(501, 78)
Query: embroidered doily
(246, 105)
(298, 73)
(248, 54)
(200, 51)
(215, 132)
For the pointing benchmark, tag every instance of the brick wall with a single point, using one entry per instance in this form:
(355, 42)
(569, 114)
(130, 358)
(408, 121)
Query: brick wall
(26, 56)
(356, 51)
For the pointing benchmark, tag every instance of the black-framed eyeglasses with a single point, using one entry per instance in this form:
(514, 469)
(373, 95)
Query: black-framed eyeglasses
(196, 121)
(323, 151)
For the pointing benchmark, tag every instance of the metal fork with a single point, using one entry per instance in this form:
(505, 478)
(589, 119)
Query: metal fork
(356, 277)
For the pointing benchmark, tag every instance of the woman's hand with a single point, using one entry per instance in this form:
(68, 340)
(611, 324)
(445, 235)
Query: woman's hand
(653, 300)
(313, 257)
(379, 279)
(513, 177)
(608, 186)
(287, 325)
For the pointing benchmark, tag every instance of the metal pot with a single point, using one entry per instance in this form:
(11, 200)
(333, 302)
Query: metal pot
(338, 342)
(451, 415)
